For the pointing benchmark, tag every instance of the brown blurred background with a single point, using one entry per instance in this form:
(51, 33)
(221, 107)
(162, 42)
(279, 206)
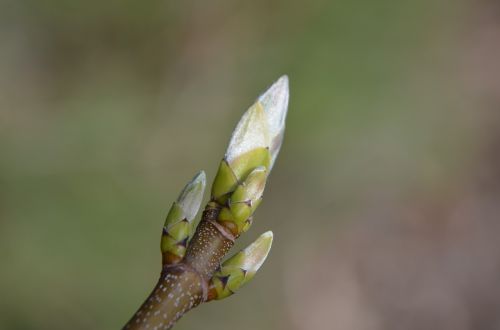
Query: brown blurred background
(385, 200)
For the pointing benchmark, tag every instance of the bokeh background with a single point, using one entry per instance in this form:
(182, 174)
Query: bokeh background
(385, 200)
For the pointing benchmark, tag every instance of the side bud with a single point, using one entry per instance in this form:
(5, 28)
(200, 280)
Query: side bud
(178, 225)
(240, 268)
(236, 216)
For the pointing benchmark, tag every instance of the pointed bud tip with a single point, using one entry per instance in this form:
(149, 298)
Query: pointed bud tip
(263, 125)
(192, 194)
(280, 85)
(195, 186)
(200, 177)
(257, 252)
(275, 104)
(268, 235)
(267, 241)
(275, 100)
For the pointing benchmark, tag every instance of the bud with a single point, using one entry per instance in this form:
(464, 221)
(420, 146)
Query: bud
(178, 224)
(255, 142)
(240, 268)
(243, 202)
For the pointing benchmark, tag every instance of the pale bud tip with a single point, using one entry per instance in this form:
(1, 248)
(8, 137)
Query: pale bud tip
(200, 177)
(275, 104)
(257, 252)
(190, 198)
(263, 125)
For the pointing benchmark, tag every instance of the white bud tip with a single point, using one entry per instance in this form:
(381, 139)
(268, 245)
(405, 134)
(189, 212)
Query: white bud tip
(257, 252)
(190, 198)
(275, 104)
(263, 125)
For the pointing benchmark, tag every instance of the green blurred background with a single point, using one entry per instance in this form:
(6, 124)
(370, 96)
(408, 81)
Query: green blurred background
(384, 201)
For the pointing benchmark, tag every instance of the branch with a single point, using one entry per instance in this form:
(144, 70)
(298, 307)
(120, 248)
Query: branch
(192, 272)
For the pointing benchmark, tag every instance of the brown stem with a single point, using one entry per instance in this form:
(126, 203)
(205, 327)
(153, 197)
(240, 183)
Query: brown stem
(184, 285)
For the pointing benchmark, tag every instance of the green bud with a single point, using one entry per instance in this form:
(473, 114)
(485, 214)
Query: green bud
(240, 268)
(247, 162)
(178, 224)
(225, 181)
(251, 190)
(235, 214)
(247, 196)
(227, 178)
(255, 141)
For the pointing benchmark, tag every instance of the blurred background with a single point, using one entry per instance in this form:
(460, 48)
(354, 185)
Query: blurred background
(385, 200)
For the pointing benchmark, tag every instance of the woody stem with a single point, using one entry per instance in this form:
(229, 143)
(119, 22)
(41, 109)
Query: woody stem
(184, 286)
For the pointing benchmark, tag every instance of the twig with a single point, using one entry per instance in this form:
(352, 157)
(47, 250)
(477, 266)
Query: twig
(192, 272)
